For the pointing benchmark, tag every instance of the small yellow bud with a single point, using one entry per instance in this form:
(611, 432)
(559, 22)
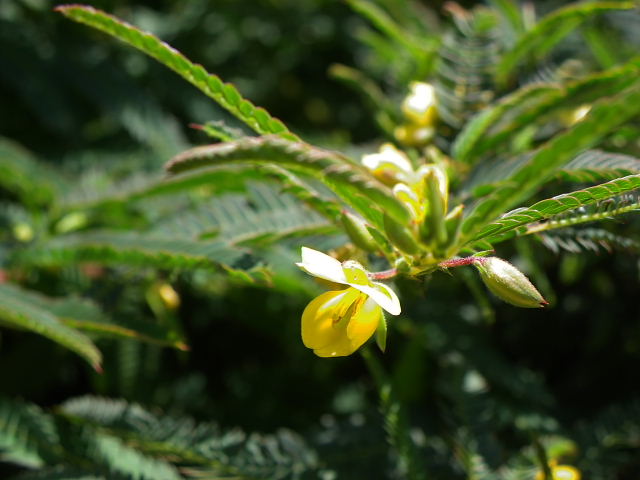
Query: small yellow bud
(23, 232)
(508, 283)
(169, 296)
(419, 106)
(561, 472)
(413, 135)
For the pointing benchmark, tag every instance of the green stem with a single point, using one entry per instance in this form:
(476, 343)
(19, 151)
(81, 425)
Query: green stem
(396, 423)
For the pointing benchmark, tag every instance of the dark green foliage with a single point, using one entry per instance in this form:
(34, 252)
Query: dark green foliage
(108, 256)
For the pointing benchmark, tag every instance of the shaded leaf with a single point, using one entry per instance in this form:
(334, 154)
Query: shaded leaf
(23, 309)
(224, 94)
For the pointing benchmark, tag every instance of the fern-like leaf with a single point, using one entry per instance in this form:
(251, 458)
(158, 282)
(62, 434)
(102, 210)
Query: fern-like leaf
(550, 30)
(551, 207)
(22, 309)
(224, 94)
(348, 179)
(588, 239)
(27, 435)
(262, 215)
(206, 449)
(132, 249)
(532, 103)
(604, 118)
(597, 165)
(23, 176)
(124, 460)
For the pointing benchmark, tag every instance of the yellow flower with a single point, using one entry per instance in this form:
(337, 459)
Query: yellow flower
(560, 472)
(337, 323)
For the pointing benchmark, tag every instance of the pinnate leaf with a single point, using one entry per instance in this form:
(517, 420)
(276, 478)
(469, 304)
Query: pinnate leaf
(22, 309)
(345, 177)
(211, 85)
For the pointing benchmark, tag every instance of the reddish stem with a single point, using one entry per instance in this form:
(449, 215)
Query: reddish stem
(384, 274)
(456, 262)
(460, 262)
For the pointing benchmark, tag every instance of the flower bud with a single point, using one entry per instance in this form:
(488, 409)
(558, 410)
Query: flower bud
(560, 472)
(436, 191)
(357, 231)
(400, 236)
(453, 222)
(419, 106)
(509, 283)
(413, 135)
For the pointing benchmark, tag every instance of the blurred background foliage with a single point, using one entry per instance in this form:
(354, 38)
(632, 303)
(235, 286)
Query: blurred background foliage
(84, 105)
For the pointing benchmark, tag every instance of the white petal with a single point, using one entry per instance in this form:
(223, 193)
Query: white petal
(321, 265)
(389, 156)
(382, 295)
(422, 97)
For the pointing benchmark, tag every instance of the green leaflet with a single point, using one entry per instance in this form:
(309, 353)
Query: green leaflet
(553, 206)
(132, 249)
(27, 434)
(590, 166)
(26, 178)
(378, 17)
(465, 147)
(260, 216)
(127, 460)
(216, 454)
(24, 310)
(605, 116)
(224, 94)
(526, 106)
(597, 165)
(348, 179)
(511, 11)
(386, 113)
(587, 239)
(550, 30)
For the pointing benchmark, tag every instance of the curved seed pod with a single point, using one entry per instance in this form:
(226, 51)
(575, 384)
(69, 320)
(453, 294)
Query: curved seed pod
(358, 233)
(453, 221)
(400, 236)
(436, 193)
(509, 283)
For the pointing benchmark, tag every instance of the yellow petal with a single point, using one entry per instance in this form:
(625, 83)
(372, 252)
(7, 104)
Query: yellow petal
(364, 323)
(337, 323)
(321, 325)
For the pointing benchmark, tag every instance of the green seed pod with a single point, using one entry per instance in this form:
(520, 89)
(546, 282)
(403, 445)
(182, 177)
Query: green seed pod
(436, 192)
(509, 283)
(453, 221)
(400, 236)
(357, 231)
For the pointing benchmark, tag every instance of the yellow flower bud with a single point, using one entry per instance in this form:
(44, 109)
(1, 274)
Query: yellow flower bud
(413, 135)
(419, 106)
(508, 283)
(169, 296)
(389, 165)
(23, 232)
